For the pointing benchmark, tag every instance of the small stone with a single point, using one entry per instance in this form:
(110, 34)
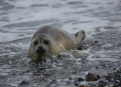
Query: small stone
(70, 78)
(96, 41)
(118, 71)
(83, 86)
(114, 68)
(80, 79)
(53, 81)
(76, 84)
(97, 67)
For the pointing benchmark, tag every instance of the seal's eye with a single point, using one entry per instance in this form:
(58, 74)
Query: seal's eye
(35, 43)
(46, 42)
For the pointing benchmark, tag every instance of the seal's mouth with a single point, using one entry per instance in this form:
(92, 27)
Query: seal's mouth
(40, 51)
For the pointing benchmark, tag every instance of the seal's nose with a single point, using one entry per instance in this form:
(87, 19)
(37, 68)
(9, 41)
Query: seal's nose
(41, 47)
(40, 50)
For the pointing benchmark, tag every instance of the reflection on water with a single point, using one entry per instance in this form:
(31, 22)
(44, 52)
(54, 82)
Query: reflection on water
(19, 19)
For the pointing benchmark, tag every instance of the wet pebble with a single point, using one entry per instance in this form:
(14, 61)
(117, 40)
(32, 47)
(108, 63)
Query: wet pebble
(80, 79)
(76, 83)
(23, 83)
(117, 83)
(102, 83)
(113, 79)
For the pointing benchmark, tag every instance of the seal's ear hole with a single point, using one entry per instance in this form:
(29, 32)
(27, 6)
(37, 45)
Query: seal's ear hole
(76, 34)
(36, 42)
(81, 32)
(46, 42)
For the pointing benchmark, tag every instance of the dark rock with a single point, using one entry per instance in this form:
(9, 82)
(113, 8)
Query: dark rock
(80, 79)
(109, 77)
(118, 71)
(23, 83)
(117, 83)
(92, 77)
(83, 86)
(114, 68)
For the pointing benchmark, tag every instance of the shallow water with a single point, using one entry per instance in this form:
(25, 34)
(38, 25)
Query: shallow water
(19, 19)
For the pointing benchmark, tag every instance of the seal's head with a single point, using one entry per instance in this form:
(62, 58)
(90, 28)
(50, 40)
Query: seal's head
(40, 47)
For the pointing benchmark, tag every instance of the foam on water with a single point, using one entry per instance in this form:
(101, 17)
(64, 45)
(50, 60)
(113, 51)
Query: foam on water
(69, 15)
(11, 36)
(102, 59)
(4, 36)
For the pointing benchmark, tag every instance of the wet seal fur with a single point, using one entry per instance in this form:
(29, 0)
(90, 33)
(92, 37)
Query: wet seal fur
(49, 41)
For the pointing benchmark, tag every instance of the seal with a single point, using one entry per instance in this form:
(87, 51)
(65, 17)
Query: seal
(49, 41)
